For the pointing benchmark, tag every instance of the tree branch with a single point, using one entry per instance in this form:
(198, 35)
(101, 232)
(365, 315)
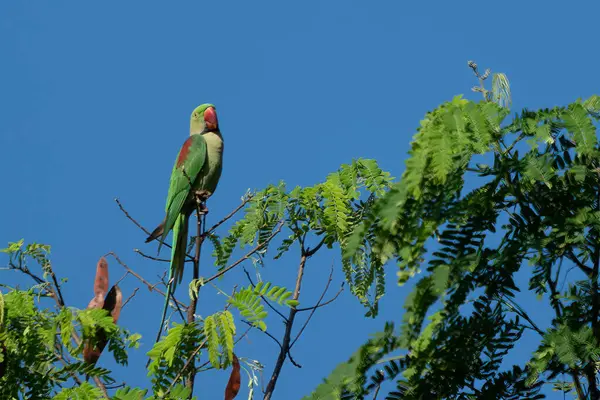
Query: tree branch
(265, 332)
(245, 201)
(129, 217)
(314, 308)
(130, 297)
(310, 252)
(60, 298)
(150, 257)
(146, 231)
(285, 345)
(584, 268)
(519, 311)
(325, 303)
(151, 287)
(191, 318)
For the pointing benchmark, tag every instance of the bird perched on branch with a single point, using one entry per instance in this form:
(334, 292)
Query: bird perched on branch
(194, 178)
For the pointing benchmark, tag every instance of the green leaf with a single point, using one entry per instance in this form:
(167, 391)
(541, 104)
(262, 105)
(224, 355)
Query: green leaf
(580, 125)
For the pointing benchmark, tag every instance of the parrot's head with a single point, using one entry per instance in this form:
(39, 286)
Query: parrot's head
(204, 119)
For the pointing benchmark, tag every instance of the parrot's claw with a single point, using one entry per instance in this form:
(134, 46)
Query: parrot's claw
(201, 197)
(203, 209)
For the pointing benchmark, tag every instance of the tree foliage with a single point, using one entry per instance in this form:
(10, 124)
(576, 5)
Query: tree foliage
(532, 183)
(310, 219)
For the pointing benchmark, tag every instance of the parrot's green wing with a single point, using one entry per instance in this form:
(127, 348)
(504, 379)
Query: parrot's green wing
(189, 163)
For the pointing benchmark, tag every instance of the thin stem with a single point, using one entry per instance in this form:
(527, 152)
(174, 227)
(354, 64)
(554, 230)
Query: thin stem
(334, 298)
(61, 299)
(130, 297)
(151, 257)
(285, 345)
(200, 216)
(519, 311)
(146, 231)
(265, 332)
(151, 287)
(584, 268)
(129, 217)
(312, 312)
(310, 252)
(231, 214)
(376, 392)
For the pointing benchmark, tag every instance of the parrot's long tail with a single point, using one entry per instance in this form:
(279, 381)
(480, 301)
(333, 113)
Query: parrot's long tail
(178, 252)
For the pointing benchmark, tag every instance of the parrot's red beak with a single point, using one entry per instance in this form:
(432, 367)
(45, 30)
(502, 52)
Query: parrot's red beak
(210, 118)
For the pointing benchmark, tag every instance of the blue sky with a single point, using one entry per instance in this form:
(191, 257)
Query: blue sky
(96, 97)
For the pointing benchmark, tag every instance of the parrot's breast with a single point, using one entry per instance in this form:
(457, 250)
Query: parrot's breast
(211, 172)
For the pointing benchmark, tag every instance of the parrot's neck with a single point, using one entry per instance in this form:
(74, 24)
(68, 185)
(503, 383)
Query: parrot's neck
(214, 142)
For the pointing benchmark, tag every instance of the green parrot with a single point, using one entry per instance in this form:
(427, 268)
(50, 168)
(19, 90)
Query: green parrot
(196, 172)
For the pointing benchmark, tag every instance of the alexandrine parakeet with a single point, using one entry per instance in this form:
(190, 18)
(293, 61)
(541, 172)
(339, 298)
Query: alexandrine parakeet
(196, 172)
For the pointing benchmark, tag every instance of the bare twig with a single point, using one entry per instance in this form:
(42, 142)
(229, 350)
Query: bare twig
(243, 335)
(146, 231)
(26, 271)
(130, 297)
(519, 311)
(294, 363)
(151, 287)
(121, 278)
(196, 273)
(584, 268)
(265, 299)
(325, 303)
(310, 252)
(246, 256)
(101, 386)
(312, 312)
(231, 214)
(376, 392)
(141, 253)
(200, 226)
(61, 299)
(120, 385)
(172, 296)
(285, 345)
(265, 332)
(481, 88)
